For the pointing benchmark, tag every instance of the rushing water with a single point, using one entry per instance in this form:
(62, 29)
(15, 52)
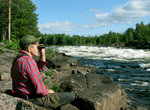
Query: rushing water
(128, 67)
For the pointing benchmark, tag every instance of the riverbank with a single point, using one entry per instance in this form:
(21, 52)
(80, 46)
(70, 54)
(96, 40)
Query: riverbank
(94, 91)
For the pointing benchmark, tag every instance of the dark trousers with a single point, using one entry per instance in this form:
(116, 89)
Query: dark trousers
(54, 100)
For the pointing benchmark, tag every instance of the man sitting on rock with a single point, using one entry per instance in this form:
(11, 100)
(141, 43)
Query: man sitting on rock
(27, 80)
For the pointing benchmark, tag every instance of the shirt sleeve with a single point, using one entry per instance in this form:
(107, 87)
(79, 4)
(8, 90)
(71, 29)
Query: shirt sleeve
(41, 65)
(35, 77)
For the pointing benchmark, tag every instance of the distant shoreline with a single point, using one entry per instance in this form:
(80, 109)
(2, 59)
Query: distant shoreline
(131, 45)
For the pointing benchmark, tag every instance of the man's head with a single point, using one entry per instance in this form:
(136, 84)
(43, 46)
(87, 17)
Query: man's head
(30, 43)
(27, 40)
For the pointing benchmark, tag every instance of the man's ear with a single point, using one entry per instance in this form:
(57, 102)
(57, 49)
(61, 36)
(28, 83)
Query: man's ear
(29, 48)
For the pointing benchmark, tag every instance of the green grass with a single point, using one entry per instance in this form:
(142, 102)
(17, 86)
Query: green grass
(47, 83)
(0, 73)
(48, 73)
(56, 87)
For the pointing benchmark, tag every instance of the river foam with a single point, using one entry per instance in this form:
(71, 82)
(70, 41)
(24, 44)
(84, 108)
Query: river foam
(107, 53)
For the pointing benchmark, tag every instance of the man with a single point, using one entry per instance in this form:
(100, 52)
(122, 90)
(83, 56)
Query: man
(27, 80)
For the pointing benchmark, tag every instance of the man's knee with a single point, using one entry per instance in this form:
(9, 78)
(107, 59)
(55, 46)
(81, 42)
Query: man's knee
(54, 100)
(51, 100)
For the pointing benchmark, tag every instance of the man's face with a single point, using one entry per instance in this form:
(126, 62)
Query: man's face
(34, 50)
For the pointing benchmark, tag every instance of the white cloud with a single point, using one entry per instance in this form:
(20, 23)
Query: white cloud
(56, 27)
(131, 11)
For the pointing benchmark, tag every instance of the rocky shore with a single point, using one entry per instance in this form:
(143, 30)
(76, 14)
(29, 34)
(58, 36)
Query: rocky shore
(138, 45)
(132, 44)
(93, 90)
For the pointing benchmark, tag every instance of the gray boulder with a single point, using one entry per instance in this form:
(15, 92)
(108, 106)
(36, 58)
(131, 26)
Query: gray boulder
(61, 62)
(13, 103)
(95, 92)
(5, 85)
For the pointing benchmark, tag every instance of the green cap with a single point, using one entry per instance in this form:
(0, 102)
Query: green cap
(25, 41)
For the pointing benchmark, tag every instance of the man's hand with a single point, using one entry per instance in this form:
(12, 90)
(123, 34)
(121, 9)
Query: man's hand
(50, 91)
(42, 53)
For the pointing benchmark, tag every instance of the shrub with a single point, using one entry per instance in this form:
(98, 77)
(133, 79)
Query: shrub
(56, 87)
(0, 73)
(48, 73)
(13, 45)
(2, 50)
(49, 53)
(47, 83)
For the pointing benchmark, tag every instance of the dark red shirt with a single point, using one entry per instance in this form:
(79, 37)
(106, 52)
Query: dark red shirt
(26, 77)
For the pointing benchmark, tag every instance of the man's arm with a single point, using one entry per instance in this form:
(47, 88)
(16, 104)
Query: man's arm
(42, 54)
(42, 61)
(35, 77)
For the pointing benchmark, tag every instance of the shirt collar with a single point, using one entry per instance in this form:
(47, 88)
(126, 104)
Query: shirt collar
(24, 52)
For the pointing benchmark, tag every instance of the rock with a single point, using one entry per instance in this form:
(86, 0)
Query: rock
(95, 92)
(82, 70)
(5, 85)
(68, 107)
(61, 62)
(65, 66)
(5, 68)
(60, 75)
(13, 103)
(6, 76)
(138, 108)
(142, 108)
(6, 60)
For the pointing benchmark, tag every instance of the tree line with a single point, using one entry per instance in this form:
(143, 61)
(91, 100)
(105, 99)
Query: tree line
(141, 34)
(24, 21)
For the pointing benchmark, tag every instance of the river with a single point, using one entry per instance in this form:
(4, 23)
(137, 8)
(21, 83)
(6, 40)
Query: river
(129, 67)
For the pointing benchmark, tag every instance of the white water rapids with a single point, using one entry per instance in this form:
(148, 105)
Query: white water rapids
(107, 53)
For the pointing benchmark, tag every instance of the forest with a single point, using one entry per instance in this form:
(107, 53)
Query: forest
(24, 21)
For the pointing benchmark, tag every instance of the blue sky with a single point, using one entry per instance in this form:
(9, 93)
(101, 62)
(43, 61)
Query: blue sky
(90, 17)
